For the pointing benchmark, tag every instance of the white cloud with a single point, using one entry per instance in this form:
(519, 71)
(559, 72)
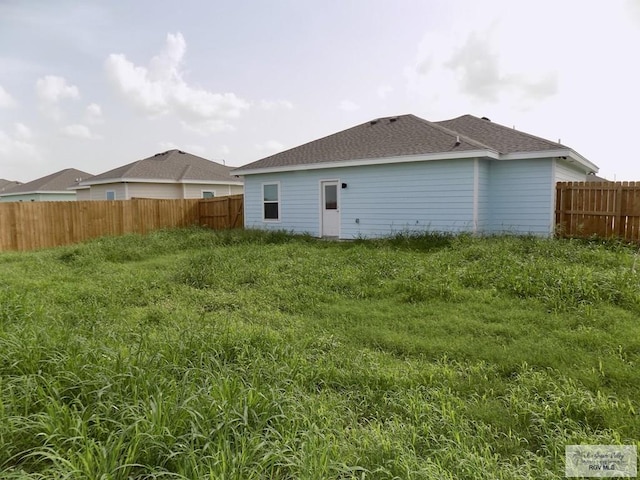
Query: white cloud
(161, 89)
(383, 91)
(6, 100)
(480, 74)
(79, 131)
(633, 7)
(275, 104)
(15, 149)
(207, 127)
(52, 89)
(348, 106)
(22, 132)
(270, 146)
(94, 111)
(493, 55)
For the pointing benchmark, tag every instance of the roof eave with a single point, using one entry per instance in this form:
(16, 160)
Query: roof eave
(36, 192)
(567, 153)
(89, 183)
(369, 161)
(212, 182)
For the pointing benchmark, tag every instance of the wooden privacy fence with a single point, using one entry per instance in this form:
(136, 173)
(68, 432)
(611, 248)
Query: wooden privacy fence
(603, 209)
(33, 225)
(222, 212)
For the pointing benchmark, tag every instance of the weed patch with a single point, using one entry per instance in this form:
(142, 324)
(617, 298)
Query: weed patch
(199, 354)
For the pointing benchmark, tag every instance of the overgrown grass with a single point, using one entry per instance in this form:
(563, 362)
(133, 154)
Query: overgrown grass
(250, 355)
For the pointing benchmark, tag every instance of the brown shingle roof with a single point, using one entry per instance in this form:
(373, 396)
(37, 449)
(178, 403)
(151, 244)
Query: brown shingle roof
(172, 165)
(407, 135)
(56, 182)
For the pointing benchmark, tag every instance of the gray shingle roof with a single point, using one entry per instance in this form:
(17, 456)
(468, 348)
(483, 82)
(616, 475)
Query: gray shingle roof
(595, 178)
(500, 138)
(56, 182)
(6, 185)
(172, 165)
(407, 135)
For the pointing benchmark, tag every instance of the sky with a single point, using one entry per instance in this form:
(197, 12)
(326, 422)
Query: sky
(94, 85)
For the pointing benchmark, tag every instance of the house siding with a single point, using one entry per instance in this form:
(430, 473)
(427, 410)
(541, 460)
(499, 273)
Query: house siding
(99, 192)
(521, 196)
(379, 200)
(83, 194)
(483, 207)
(566, 172)
(40, 197)
(154, 190)
(195, 190)
(159, 190)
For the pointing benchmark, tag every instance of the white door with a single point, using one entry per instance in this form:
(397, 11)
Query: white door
(330, 209)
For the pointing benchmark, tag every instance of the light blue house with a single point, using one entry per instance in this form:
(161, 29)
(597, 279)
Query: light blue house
(406, 174)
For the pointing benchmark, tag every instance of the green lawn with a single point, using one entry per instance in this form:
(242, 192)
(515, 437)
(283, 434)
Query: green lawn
(249, 355)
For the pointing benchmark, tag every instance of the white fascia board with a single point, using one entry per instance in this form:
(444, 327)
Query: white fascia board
(37, 192)
(583, 161)
(212, 182)
(370, 161)
(564, 152)
(89, 183)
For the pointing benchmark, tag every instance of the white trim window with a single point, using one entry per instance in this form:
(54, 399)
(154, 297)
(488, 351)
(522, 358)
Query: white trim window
(111, 194)
(208, 193)
(271, 202)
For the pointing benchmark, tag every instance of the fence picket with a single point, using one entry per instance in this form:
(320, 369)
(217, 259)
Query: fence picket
(602, 209)
(34, 225)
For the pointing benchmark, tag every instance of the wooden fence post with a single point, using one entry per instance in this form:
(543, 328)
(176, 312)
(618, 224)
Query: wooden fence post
(618, 209)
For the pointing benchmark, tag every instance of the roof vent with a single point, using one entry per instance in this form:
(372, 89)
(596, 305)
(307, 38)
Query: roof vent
(373, 122)
(457, 140)
(393, 119)
(486, 118)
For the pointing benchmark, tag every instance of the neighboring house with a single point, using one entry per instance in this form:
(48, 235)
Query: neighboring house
(404, 173)
(52, 188)
(172, 174)
(592, 177)
(6, 185)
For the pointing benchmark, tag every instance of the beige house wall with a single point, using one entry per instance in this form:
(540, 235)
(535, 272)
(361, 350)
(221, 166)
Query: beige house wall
(99, 192)
(154, 190)
(83, 194)
(195, 190)
(126, 191)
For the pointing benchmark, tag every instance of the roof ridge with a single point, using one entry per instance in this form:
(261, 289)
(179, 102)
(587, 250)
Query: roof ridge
(510, 129)
(168, 165)
(44, 183)
(453, 132)
(310, 142)
(372, 122)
